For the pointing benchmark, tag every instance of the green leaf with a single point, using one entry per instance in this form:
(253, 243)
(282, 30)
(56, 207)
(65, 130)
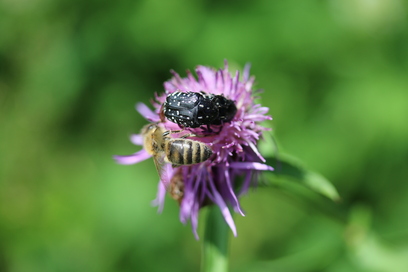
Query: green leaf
(290, 168)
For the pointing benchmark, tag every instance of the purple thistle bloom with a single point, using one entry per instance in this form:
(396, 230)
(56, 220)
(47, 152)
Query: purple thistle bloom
(236, 161)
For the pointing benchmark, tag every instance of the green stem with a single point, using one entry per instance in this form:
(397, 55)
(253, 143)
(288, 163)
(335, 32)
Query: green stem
(215, 244)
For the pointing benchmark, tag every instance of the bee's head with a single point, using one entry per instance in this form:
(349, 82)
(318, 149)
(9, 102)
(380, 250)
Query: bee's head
(149, 128)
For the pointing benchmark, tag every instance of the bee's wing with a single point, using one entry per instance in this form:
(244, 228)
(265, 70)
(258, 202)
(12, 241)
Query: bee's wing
(164, 169)
(159, 163)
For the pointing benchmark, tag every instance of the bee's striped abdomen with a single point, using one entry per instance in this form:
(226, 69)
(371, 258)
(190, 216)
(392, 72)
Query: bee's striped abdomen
(205, 153)
(174, 152)
(185, 151)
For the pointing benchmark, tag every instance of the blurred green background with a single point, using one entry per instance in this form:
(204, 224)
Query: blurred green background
(334, 75)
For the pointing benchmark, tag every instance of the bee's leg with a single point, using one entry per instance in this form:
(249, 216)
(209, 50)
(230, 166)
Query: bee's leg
(193, 135)
(168, 132)
(190, 135)
(177, 131)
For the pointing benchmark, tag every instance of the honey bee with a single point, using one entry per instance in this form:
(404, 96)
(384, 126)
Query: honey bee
(177, 151)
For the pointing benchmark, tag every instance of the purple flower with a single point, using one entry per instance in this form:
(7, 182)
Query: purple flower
(236, 162)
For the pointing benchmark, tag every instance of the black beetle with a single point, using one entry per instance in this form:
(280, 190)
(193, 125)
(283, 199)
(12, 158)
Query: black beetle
(193, 109)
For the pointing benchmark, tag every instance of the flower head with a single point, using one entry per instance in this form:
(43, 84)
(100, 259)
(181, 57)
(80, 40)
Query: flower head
(236, 161)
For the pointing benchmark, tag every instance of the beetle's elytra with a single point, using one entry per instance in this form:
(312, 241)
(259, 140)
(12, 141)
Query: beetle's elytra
(192, 109)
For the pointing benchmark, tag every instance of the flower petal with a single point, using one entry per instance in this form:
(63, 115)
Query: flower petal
(217, 198)
(245, 75)
(165, 178)
(251, 166)
(233, 198)
(190, 195)
(256, 151)
(147, 113)
(206, 77)
(132, 159)
(246, 184)
(136, 139)
(160, 197)
(186, 206)
(194, 219)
